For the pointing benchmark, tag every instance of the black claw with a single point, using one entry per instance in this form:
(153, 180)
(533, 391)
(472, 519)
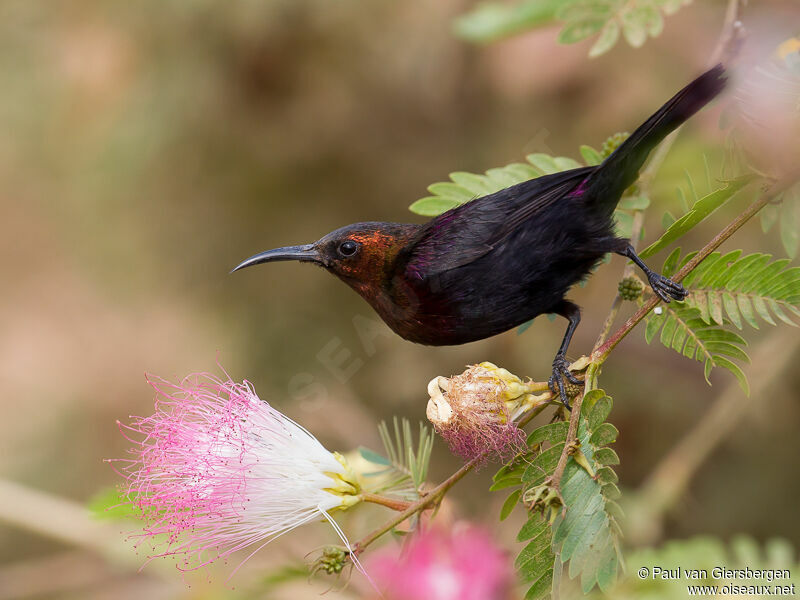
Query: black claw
(556, 382)
(666, 289)
(556, 385)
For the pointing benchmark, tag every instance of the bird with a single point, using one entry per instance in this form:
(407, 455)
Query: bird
(500, 260)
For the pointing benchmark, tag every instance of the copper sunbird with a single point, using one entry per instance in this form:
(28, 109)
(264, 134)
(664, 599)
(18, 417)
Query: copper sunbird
(498, 261)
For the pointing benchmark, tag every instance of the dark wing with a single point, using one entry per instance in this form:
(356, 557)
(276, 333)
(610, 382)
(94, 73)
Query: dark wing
(467, 232)
(621, 169)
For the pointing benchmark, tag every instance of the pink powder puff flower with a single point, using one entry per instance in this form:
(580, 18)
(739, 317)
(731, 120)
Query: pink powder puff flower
(462, 564)
(216, 469)
(474, 412)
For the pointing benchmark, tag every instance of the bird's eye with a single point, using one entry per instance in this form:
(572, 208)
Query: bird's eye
(348, 248)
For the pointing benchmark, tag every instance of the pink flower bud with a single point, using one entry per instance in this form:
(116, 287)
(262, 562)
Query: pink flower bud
(474, 412)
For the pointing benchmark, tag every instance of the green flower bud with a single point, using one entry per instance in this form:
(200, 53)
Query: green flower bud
(332, 561)
(613, 143)
(630, 288)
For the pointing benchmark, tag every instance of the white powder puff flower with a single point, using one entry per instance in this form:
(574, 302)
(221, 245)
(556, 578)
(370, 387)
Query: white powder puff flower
(216, 469)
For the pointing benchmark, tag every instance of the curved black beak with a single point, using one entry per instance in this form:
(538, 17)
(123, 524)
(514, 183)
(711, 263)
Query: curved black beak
(305, 253)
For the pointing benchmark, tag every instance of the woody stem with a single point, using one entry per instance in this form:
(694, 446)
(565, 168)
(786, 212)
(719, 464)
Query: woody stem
(433, 497)
(393, 503)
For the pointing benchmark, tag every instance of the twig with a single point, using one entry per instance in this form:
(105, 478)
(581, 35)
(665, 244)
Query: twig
(430, 498)
(610, 318)
(66, 522)
(434, 496)
(601, 353)
(392, 503)
(726, 48)
(731, 36)
(572, 431)
(572, 434)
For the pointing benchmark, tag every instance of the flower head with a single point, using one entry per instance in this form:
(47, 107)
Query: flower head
(439, 564)
(215, 469)
(475, 411)
(766, 110)
(332, 560)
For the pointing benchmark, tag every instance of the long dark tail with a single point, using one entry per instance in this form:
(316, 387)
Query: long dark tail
(621, 169)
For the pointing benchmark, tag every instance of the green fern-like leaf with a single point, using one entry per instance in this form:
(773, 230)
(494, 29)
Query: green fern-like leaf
(491, 21)
(464, 186)
(682, 329)
(635, 20)
(724, 290)
(701, 209)
(535, 562)
(585, 533)
(405, 466)
(744, 290)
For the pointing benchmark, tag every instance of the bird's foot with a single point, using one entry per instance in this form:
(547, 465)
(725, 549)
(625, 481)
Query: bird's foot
(665, 288)
(560, 373)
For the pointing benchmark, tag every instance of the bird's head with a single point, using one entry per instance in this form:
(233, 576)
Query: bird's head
(362, 254)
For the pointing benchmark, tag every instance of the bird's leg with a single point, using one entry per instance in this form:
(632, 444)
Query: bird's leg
(663, 287)
(572, 313)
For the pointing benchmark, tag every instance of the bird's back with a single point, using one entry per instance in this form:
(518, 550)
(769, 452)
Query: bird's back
(470, 275)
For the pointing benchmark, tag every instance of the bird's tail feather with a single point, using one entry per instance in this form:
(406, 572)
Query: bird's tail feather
(621, 169)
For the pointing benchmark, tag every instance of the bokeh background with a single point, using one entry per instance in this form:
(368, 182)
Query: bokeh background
(147, 147)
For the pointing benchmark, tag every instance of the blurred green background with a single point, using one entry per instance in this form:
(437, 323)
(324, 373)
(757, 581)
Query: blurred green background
(147, 147)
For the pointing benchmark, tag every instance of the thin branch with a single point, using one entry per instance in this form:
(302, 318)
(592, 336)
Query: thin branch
(393, 503)
(69, 523)
(601, 353)
(726, 49)
(636, 234)
(732, 34)
(572, 431)
(610, 318)
(572, 435)
(434, 496)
